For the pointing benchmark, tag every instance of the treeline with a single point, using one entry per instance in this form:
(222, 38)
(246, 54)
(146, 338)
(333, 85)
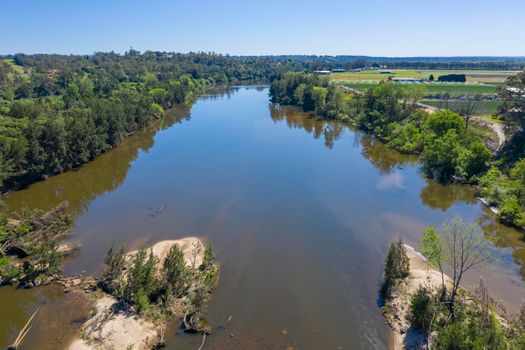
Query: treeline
(58, 112)
(313, 62)
(451, 151)
(455, 78)
(50, 135)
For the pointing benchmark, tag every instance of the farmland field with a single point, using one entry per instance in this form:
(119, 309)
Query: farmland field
(484, 107)
(479, 76)
(453, 89)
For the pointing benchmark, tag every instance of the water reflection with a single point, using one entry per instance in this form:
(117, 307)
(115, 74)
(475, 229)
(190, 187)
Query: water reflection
(104, 175)
(442, 197)
(504, 237)
(389, 162)
(294, 118)
(383, 158)
(393, 180)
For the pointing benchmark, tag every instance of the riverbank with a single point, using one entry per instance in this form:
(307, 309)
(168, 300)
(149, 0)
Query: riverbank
(114, 326)
(420, 319)
(396, 310)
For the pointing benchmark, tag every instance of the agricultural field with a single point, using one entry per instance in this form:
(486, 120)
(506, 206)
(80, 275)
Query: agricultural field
(485, 108)
(473, 76)
(432, 89)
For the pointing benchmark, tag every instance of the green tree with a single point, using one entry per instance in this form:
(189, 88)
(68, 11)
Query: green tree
(175, 274)
(113, 275)
(440, 156)
(141, 278)
(432, 249)
(397, 268)
(441, 122)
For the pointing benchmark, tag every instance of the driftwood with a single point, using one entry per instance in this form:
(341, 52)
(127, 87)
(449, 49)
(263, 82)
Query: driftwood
(23, 333)
(203, 339)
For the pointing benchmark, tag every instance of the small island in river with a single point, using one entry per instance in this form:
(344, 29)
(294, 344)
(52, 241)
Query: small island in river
(118, 324)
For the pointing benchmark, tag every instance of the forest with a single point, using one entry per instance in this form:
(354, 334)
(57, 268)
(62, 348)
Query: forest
(58, 112)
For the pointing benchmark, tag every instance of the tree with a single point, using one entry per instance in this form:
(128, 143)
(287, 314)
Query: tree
(397, 267)
(415, 93)
(115, 261)
(461, 247)
(432, 248)
(440, 156)
(175, 274)
(513, 107)
(468, 107)
(442, 121)
(141, 280)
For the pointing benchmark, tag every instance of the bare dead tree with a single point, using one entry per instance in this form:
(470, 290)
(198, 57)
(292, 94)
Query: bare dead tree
(464, 247)
(468, 107)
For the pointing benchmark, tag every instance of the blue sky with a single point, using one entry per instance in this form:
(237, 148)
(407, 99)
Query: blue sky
(373, 27)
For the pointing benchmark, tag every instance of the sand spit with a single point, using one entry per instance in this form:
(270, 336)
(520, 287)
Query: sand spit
(112, 327)
(403, 337)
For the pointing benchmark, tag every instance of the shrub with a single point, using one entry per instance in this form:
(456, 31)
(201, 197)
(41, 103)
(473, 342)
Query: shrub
(510, 210)
(422, 308)
(454, 337)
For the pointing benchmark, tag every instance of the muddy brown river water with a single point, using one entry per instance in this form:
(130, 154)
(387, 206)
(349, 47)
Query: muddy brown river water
(300, 212)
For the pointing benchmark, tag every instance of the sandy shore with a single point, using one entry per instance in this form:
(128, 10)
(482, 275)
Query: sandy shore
(420, 274)
(113, 328)
(189, 246)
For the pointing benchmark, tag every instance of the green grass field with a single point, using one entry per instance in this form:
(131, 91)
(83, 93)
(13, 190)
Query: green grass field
(15, 66)
(433, 88)
(480, 76)
(485, 107)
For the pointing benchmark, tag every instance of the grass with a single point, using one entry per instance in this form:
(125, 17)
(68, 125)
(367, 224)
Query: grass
(490, 118)
(485, 108)
(480, 76)
(433, 88)
(16, 67)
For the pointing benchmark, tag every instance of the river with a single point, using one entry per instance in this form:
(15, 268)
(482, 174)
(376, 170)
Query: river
(299, 210)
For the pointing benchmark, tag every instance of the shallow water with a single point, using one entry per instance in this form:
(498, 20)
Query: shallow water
(300, 212)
